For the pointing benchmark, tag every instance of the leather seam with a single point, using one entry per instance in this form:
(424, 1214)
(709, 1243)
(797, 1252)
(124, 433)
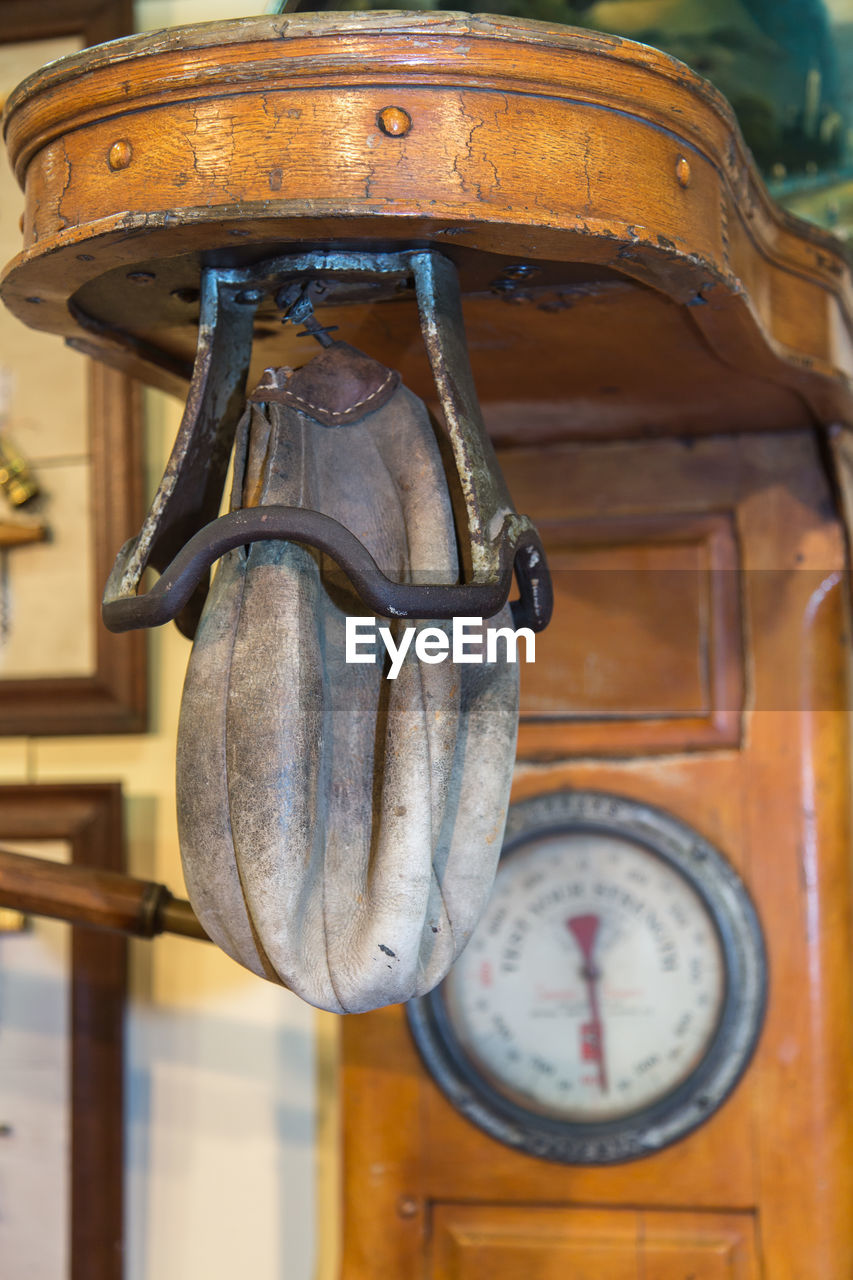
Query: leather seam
(341, 413)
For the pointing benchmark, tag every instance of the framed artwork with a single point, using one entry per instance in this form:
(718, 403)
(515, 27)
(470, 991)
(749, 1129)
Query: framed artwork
(75, 427)
(62, 995)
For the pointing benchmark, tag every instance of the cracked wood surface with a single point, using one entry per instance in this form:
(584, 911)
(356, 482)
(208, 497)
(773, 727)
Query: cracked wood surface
(595, 160)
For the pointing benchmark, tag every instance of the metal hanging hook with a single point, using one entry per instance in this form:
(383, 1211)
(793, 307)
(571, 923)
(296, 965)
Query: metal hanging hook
(180, 535)
(297, 304)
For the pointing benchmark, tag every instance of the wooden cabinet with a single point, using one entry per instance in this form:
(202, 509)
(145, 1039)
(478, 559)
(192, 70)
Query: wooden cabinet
(733, 546)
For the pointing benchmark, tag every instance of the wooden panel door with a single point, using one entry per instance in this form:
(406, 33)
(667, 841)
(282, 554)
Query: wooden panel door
(471, 1242)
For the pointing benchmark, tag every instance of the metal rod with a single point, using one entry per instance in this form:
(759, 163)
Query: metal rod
(99, 899)
(521, 548)
(177, 916)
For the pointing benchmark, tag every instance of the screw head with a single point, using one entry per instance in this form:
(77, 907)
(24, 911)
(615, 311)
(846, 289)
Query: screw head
(120, 155)
(141, 277)
(394, 122)
(682, 172)
(407, 1207)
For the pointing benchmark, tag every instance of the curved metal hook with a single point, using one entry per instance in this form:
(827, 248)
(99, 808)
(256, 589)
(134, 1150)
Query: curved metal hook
(175, 537)
(174, 589)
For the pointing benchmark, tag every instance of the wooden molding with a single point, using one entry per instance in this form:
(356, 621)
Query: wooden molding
(113, 699)
(503, 1242)
(653, 602)
(95, 20)
(89, 818)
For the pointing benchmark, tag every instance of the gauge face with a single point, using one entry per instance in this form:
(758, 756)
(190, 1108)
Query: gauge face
(595, 981)
(612, 993)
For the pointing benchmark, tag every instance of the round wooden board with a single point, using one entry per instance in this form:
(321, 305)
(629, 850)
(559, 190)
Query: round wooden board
(670, 293)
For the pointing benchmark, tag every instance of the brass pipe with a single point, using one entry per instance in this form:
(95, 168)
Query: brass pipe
(177, 916)
(89, 896)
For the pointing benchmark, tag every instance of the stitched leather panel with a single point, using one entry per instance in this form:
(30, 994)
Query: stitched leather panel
(339, 386)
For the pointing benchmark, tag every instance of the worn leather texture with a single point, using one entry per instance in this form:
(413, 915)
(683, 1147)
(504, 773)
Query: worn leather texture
(339, 830)
(339, 385)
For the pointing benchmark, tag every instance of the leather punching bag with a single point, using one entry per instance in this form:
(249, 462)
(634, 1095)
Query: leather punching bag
(339, 830)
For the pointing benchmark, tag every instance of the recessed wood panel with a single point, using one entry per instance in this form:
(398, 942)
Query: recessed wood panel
(644, 650)
(473, 1241)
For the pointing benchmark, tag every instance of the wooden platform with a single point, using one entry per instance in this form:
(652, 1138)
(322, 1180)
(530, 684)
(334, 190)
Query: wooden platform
(656, 287)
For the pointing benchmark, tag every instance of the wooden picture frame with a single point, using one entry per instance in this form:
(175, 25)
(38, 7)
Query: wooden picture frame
(113, 698)
(89, 818)
(94, 20)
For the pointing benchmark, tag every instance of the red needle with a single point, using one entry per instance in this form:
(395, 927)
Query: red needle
(584, 930)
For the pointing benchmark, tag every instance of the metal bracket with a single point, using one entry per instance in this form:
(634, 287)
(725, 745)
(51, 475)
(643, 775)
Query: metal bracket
(181, 538)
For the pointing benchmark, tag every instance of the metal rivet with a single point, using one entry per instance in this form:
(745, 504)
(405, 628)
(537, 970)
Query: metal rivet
(85, 257)
(141, 277)
(520, 271)
(120, 155)
(249, 297)
(682, 172)
(35, 301)
(394, 121)
(407, 1207)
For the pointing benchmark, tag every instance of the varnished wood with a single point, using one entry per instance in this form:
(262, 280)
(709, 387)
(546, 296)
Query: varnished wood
(777, 805)
(89, 818)
(93, 897)
(15, 533)
(531, 142)
(644, 653)
(94, 20)
(503, 1243)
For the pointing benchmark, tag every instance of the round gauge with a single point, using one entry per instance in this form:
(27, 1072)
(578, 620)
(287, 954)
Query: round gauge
(612, 993)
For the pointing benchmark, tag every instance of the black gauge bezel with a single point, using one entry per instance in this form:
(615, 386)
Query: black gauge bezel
(696, 1098)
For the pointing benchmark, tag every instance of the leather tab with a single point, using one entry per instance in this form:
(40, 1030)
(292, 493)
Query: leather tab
(341, 385)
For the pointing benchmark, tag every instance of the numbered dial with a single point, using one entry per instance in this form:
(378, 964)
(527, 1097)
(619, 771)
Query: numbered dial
(612, 994)
(594, 983)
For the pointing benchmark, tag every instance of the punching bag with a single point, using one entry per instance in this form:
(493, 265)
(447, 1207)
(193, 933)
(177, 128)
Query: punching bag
(339, 829)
